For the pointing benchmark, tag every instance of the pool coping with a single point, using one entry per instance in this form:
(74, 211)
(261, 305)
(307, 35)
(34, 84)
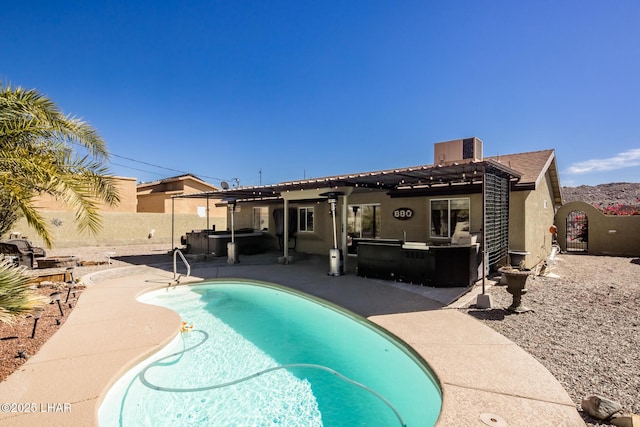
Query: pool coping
(483, 375)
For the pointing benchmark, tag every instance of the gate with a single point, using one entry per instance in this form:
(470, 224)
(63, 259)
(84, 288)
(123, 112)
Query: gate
(577, 232)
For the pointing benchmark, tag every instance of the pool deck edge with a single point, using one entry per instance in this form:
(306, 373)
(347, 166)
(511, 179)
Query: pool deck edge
(480, 371)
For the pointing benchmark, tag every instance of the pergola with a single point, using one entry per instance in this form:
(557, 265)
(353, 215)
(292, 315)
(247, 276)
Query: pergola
(492, 178)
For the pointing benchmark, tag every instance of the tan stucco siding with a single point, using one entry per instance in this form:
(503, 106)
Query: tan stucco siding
(157, 197)
(517, 220)
(191, 186)
(160, 203)
(608, 234)
(531, 213)
(195, 207)
(540, 215)
(151, 203)
(418, 227)
(242, 217)
(321, 239)
(126, 191)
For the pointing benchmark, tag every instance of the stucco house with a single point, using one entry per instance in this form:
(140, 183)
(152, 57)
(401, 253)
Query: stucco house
(158, 196)
(499, 204)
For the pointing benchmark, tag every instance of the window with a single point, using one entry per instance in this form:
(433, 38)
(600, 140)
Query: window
(446, 215)
(261, 218)
(363, 221)
(305, 219)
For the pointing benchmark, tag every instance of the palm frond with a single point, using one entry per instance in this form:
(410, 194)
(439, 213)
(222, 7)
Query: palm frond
(37, 157)
(29, 111)
(16, 296)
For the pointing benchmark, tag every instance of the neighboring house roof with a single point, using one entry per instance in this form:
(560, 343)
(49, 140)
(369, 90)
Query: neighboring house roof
(163, 184)
(534, 166)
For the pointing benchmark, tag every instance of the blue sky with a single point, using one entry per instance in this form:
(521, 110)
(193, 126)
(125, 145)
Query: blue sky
(271, 91)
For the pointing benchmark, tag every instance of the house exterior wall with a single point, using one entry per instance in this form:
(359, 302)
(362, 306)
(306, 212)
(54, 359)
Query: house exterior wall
(197, 207)
(152, 203)
(517, 220)
(418, 227)
(608, 234)
(540, 214)
(157, 197)
(126, 190)
(321, 239)
(160, 203)
(317, 242)
(191, 186)
(531, 213)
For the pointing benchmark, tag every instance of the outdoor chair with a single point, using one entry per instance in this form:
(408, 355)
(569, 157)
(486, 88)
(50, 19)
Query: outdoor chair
(19, 256)
(26, 246)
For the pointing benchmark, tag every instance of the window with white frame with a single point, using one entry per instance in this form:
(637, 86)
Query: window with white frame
(305, 219)
(261, 218)
(447, 215)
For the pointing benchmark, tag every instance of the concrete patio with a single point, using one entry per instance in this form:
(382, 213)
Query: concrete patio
(485, 378)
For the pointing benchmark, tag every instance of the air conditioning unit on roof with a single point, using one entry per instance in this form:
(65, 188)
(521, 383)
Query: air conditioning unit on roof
(468, 149)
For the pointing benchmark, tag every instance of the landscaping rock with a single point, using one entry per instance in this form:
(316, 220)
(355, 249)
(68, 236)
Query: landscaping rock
(626, 420)
(600, 407)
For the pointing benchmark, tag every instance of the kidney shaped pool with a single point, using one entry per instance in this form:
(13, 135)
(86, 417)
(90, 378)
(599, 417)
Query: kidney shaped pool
(257, 354)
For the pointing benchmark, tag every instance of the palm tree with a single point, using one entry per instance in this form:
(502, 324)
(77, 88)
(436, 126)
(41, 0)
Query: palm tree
(16, 296)
(43, 151)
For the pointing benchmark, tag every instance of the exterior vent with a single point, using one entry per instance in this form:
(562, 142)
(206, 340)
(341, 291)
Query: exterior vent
(468, 149)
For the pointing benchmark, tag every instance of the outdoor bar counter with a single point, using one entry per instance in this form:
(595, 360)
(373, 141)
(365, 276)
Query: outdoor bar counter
(419, 263)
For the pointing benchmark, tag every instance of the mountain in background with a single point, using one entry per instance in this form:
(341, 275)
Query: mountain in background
(617, 193)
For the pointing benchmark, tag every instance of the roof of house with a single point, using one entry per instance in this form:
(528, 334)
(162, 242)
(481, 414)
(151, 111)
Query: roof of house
(524, 170)
(174, 179)
(534, 166)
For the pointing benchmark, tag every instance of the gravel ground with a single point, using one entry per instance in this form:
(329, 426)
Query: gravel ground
(16, 344)
(585, 327)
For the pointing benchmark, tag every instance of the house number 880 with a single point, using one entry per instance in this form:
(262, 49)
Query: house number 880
(403, 213)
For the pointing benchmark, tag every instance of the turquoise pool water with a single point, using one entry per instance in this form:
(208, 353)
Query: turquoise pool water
(262, 355)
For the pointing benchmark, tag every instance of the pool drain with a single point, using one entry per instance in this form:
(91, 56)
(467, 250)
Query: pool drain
(493, 420)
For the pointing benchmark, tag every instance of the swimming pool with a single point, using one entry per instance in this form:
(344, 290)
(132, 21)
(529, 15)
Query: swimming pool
(263, 355)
